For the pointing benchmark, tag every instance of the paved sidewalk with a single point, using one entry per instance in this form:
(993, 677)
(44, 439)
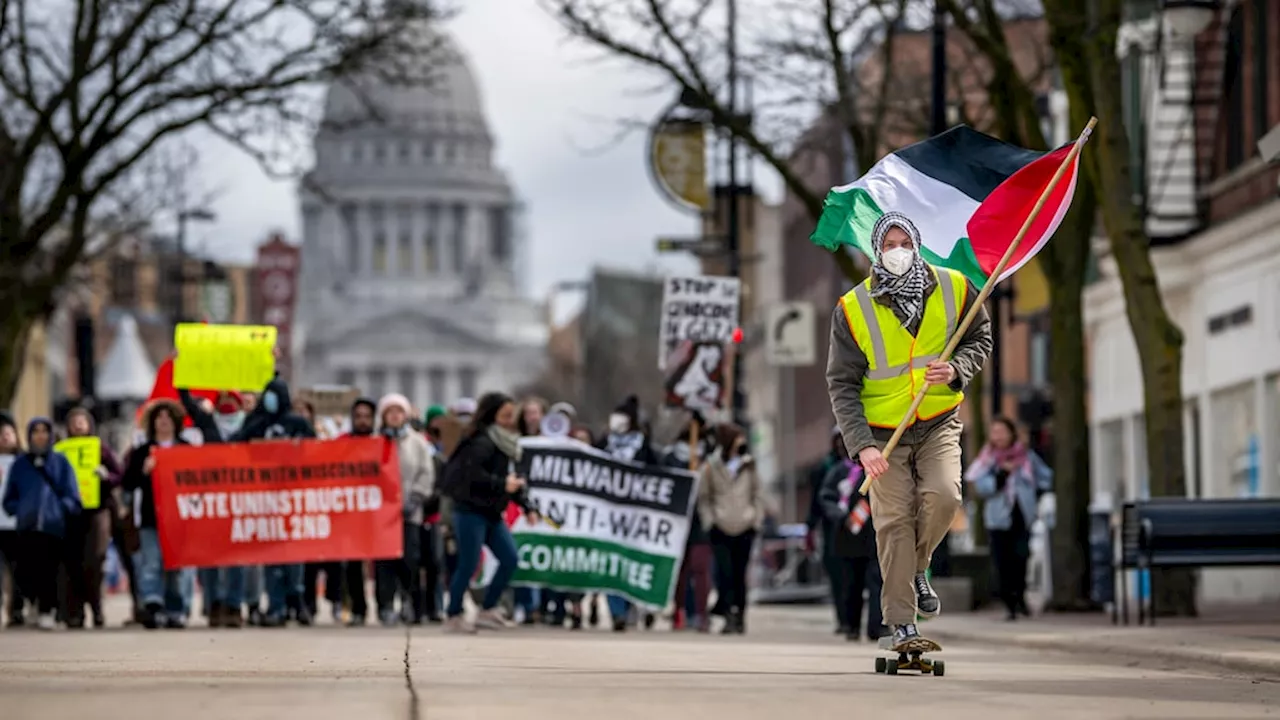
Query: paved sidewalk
(1245, 640)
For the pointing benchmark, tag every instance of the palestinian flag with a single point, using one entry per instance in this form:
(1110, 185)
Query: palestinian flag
(968, 195)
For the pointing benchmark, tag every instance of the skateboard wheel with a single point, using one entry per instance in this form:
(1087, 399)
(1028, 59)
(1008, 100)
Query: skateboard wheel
(939, 668)
(881, 664)
(891, 668)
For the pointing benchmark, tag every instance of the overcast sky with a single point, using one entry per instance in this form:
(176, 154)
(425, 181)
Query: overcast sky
(549, 109)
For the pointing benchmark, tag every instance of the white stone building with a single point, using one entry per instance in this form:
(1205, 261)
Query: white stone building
(413, 259)
(1213, 214)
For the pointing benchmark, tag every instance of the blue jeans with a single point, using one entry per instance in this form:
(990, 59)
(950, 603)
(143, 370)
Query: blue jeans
(472, 533)
(254, 583)
(618, 607)
(170, 589)
(284, 583)
(222, 586)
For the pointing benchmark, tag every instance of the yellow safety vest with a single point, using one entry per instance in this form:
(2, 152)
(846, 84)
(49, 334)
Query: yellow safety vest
(896, 361)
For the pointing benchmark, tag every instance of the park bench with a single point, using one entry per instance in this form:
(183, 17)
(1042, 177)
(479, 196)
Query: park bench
(1189, 533)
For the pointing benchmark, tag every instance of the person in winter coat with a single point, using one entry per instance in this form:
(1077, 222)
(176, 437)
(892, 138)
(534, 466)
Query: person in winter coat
(345, 581)
(731, 502)
(531, 604)
(822, 527)
(273, 418)
(695, 569)
(89, 533)
(428, 595)
(1010, 478)
(480, 480)
(627, 441)
(853, 545)
(223, 587)
(159, 590)
(418, 481)
(43, 495)
(10, 593)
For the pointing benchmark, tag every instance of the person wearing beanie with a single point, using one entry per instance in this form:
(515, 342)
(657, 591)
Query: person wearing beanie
(42, 494)
(394, 578)
(463, 409)
(89, 533)
(10, 448)
(627, 441)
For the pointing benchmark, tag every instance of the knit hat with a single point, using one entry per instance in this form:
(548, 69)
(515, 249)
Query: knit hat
(6, 420)
(391, 400)
(463, 406)
(432, 413)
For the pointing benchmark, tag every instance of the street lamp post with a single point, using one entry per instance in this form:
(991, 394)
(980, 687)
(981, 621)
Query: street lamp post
(733, 235)
(198, 215)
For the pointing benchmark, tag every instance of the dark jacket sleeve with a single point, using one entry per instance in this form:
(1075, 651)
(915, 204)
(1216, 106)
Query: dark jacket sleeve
(68, 489)
(974, 347)
(829, 495)
(480, 481)
(133, 478)
(846, 368)
(202, 420)
(112, 463)
(10, 500)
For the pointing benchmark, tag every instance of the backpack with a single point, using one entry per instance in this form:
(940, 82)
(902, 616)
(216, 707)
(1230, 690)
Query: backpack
(453, 479)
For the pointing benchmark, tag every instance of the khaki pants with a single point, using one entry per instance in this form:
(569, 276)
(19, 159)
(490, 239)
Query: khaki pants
(912, 506)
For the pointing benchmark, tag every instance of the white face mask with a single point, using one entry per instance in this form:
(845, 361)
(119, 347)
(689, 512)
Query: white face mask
(898, 260)
(619, 423)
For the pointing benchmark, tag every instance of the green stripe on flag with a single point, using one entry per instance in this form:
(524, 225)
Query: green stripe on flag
(583, 564)
(848, 216)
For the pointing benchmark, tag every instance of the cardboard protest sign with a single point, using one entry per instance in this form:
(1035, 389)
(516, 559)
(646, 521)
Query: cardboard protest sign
(278, 502)
(332, 400)
(224, 357)
(696, 377)
(85, 454)
(701, 309)
(612, 526)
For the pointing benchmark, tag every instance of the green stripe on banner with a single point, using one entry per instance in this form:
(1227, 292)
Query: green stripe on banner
(581, 564)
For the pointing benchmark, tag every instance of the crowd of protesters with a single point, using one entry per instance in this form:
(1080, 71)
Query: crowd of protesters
(456, 503)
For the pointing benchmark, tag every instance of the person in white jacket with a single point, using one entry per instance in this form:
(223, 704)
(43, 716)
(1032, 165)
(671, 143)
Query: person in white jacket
(418, 481)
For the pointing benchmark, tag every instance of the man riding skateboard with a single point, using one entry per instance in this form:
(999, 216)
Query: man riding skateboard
(887, 335)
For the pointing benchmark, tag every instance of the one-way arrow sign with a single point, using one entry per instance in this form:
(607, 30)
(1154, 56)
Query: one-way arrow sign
(789, 338)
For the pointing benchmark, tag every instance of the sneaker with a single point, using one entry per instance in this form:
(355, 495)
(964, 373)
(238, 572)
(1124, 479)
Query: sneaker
(46, 622)
(175, 622)
(232, 619)
(355, 621)
(304, 617)
(901, 639)
(337, 615)
(459, 625)
(927, 603)
(388, 618)
(492, 620)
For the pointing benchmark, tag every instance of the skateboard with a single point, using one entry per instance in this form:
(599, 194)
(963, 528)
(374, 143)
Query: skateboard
(912, 658)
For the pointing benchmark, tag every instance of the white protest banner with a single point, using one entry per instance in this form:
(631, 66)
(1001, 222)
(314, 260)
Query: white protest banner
(612, 526)
(701, 309)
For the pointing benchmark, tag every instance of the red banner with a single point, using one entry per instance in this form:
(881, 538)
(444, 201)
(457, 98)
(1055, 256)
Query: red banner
(281, 501)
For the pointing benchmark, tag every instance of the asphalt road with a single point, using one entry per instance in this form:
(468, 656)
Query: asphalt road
(778, 672)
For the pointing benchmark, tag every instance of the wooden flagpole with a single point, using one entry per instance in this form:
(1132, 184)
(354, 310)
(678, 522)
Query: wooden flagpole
(987, 287)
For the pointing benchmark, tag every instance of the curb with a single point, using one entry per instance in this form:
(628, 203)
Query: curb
(1177, 654)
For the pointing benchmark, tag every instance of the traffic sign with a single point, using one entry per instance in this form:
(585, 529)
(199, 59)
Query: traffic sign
(790, 334)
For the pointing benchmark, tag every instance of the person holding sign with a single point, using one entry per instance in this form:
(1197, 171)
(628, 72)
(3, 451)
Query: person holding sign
(42, 494)
(89, 534)
(887, 335)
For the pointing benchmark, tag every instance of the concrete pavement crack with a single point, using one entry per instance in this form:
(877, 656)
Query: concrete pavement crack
(408, 673)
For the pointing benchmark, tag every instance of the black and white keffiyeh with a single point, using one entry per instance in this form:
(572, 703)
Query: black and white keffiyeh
(905, 291)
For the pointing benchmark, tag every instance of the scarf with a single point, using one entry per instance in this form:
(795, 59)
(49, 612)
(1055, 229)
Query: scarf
(993, 458)
(905, 292)
(507, 441)
(624, 446)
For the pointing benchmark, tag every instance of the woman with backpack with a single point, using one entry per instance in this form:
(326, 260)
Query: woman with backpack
(479, 478)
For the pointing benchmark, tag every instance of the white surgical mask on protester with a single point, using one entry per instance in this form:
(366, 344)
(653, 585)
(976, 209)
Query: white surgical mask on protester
(619, 423)
(229, 423)
(898, 260)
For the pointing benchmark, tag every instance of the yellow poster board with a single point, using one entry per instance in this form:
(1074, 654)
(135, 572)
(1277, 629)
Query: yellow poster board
(85, 454)
(224, 357)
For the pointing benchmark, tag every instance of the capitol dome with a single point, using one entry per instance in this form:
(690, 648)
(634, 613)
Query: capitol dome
(447, 98)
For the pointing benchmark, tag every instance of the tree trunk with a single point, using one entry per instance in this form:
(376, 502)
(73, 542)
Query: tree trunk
(1158, 338)
(1065, 260)
(15, 330)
